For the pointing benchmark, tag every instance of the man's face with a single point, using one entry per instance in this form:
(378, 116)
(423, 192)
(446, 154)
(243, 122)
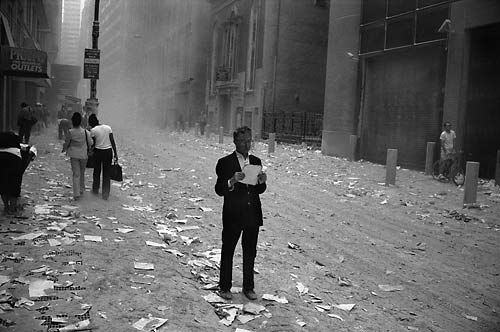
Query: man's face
(243, 143)
(447, 127)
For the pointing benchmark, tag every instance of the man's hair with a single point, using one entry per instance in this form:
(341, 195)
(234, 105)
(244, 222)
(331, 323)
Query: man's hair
(241, 131)
(76, 119)
(93, 120)
(446, 123)
(23, 104)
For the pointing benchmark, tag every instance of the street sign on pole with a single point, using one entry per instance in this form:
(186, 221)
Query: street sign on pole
(91, 63)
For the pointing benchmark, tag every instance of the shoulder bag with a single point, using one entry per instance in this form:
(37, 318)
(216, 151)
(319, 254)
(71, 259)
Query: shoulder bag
(115, 172)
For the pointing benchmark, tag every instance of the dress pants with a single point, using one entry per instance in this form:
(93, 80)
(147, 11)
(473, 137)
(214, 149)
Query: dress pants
(102, 160)
(230, 237)
(78, 168)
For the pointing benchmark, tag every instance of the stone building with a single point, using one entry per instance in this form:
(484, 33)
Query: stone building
(398, 69)
(29, 44)
(267, 65)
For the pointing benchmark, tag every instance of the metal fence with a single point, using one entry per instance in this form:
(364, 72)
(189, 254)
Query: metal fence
(293, 127)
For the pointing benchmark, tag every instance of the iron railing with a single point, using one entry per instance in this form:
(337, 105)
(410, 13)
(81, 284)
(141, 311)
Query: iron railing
(293, 127)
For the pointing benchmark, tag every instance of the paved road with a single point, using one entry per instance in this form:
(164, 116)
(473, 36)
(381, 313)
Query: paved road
(408, 257)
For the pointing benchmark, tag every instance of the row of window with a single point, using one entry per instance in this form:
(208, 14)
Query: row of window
(398, 23)
(374, 10)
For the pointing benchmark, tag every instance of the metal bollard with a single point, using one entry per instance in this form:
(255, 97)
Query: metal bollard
(390, 166)
(221, 135)
(353, 145)
(470, 188)
(497, 170)
(196, 129)
(429, 157)
(271, 143)
(207, 131)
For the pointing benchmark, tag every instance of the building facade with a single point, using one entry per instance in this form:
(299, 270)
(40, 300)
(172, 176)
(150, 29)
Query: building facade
(29, 39)
(267, 66)
(70, 36)
(397, 70)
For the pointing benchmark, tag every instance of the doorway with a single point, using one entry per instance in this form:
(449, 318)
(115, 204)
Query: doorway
(482, 120)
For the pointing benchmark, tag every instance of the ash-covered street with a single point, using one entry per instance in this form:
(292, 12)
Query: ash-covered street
(339, 251)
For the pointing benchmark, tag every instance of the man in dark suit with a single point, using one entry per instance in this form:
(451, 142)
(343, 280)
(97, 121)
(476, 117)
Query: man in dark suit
(241, 212)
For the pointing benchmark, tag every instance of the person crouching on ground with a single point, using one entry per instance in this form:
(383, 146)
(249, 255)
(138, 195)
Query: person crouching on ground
(241, 212)
(76, 146)
(14, 159)
(104, 149)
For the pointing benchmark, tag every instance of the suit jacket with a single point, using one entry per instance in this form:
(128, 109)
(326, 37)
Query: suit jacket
(242, 204)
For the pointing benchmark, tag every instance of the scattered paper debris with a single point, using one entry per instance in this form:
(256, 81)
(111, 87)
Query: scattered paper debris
(336, 316)
(345, 307)
(275, 298)
(389, 288)
(40, 287)
(154, 244)
(302, 289)
(474, 318)
(93, 238)
(149, 324)
(143, 266)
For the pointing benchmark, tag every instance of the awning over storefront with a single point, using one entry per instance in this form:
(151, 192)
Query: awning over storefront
(23, 62)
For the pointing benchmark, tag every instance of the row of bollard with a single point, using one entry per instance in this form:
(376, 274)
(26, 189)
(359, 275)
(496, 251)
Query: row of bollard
(471, 171)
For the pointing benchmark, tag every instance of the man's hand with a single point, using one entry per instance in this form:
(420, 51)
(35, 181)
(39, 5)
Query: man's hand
(261, 178)
(238, 176)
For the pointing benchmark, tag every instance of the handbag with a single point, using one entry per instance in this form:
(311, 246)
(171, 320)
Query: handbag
(90, 154)
(115, 172)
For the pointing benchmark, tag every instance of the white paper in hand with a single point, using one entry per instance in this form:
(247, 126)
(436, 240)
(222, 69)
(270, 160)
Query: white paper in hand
(251, 172)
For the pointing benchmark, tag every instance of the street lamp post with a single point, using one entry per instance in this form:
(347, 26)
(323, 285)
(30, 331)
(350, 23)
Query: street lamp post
(92, 103)
(95, 38)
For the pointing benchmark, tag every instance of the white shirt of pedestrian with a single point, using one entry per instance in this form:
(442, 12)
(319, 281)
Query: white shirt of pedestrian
(447, 140)
(101, 134)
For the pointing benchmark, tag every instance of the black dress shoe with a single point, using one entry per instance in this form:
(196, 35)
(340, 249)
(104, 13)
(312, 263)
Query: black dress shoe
(250, 294)
(226, 295)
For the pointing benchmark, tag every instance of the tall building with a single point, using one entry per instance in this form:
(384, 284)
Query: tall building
(70, 36)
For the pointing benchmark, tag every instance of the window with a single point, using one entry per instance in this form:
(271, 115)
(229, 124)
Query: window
(252, 48)
(428, 23)
(395, 7)
(372, 38)
(400, 31)
(373, 10)
(388, 24)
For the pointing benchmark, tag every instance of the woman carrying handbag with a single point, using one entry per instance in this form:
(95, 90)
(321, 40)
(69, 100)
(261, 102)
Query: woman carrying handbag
(104, 149)
(76, 147)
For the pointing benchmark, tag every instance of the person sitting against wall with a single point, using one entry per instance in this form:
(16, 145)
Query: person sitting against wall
(14, 159)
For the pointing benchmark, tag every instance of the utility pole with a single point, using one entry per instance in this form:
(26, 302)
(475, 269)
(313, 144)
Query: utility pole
(95, 42)
(92, 56)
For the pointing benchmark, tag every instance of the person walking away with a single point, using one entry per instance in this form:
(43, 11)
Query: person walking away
(203, 123)
(447, 138)
(104, 149)
(25, 121)
(14, 159)
(38, 112)
(45, 116)
(76, 147)
(241, 212)
(63, 123)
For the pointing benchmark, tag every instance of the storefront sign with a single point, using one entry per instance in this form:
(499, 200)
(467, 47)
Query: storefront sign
(23, 62)
(91, 63)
